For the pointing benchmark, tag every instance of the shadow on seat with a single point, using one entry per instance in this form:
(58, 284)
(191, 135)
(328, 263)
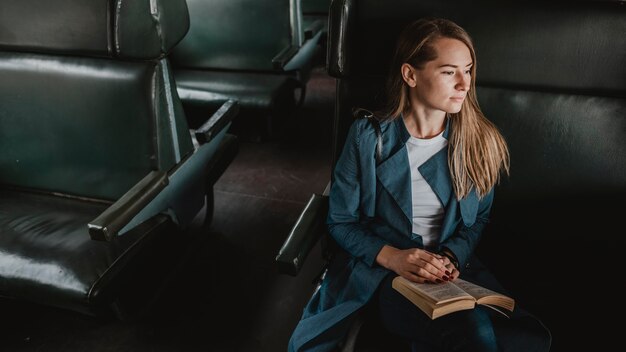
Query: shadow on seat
(251, 51)
(565, 133)
(100, 175)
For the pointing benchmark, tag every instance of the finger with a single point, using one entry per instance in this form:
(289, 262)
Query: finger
(440, 264)
(432, 260)
(425, 274)
(428, 261)
(436, 271)
(446, 261)
(414, 278)
(438, 256)
(455, 273)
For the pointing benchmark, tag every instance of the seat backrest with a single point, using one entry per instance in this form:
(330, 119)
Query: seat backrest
(315, 7)
(241, 35)
(87, 102)
(523, 46)
(551, 76)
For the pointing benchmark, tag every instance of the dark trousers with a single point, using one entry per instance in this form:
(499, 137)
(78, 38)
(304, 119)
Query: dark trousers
(477, 329)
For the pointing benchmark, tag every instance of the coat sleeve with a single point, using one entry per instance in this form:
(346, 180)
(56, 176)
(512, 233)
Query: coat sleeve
(463, 242)
(344, 220)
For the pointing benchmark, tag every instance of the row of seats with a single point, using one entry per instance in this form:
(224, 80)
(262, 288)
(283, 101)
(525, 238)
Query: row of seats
(259, 53)
(115, 123)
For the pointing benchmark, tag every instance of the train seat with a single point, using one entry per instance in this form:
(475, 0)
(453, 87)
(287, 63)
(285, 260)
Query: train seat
(314, 16)
(100, 174)
(250, 51)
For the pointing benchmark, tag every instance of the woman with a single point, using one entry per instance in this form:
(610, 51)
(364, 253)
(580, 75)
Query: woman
(418, 210)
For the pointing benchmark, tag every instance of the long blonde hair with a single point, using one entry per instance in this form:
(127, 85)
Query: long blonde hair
(477, 152)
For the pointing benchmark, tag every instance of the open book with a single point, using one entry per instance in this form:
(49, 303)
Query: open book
(437, 300)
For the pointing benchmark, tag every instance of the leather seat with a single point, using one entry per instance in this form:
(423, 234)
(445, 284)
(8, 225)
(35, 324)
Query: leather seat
(100, 174)
(314, 14)
(551, 77)
(251, 51)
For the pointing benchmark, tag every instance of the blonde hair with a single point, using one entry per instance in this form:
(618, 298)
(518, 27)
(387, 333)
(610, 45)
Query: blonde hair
(477, 152)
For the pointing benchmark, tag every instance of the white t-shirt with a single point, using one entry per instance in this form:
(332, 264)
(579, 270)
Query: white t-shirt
(427, 209)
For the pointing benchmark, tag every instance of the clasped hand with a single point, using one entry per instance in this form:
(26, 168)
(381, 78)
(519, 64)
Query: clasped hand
(417, 265)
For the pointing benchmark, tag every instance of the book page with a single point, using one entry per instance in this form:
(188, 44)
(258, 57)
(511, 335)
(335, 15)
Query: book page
(486, 296)
(437, 293)
(476, 291)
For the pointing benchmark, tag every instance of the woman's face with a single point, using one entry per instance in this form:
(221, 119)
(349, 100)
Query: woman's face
(442, 84)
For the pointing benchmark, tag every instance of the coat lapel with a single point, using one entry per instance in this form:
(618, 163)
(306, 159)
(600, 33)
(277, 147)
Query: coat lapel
(436, 172)
(393, 173)
(395, 176)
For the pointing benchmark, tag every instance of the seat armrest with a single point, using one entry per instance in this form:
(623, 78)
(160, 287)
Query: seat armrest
(222, 117)
(312, 29)
(309, 228)
(120, 213)
(280, 61)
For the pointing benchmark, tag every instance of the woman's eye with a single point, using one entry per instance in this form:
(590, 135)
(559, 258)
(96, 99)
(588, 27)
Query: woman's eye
(448, 72)
(468, 72)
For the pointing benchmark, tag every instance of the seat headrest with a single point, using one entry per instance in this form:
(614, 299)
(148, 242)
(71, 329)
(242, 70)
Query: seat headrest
(543, 45)
(131, 29)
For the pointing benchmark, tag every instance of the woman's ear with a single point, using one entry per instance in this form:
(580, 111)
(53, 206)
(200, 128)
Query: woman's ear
(408, 74)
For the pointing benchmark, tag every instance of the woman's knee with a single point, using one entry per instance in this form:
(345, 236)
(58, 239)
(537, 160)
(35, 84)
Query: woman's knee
(469, 330)
(397, 314)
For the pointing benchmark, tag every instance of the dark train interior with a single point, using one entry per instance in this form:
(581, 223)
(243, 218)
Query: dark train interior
(165, 165)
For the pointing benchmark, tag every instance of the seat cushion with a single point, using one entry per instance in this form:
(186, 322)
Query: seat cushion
(251, 90)
(47, 256)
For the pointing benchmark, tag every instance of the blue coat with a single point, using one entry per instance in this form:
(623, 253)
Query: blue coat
(370, 206)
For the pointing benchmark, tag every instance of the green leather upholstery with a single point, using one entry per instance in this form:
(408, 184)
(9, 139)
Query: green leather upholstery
(315, 13)
(254, 90)
(60, 265)
(235, 34)
(114, 28)
(95, 124)
(315, 6)
(251, 51)
(94, 144)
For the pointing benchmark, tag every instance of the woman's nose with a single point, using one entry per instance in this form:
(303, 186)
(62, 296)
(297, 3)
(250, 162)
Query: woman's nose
(463, 82)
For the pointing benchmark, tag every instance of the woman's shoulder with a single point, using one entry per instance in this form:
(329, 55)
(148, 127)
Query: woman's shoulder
(362, 132)
(359, 128)
(364, 126)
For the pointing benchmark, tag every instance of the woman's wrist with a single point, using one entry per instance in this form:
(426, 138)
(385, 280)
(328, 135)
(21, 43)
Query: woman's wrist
(384, 256)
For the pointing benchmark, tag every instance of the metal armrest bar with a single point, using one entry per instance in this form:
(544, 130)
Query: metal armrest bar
(222, 117)
(311, 30)
(308, 229)
(120, 213)
(280, 60)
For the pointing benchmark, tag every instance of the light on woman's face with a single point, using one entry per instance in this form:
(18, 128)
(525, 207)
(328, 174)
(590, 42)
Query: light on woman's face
(443, 83)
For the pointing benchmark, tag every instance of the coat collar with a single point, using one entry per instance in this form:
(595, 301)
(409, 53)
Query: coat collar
(392, 171)
(394, 175)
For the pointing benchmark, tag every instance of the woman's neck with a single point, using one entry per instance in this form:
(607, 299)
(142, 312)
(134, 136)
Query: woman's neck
(423, 125)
